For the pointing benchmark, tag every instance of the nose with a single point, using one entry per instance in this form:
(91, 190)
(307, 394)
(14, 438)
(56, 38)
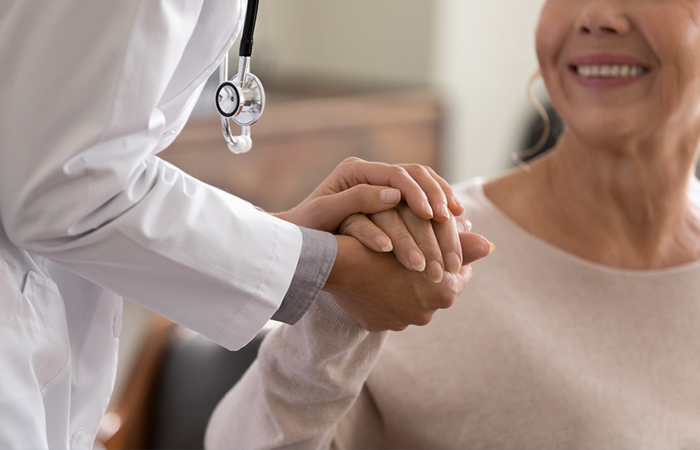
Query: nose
(604, 17)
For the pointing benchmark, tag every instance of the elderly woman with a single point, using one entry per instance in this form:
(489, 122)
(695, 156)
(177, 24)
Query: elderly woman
(583, 329)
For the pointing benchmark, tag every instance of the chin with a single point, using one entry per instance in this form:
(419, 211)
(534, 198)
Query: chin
(604, 124)
(606, 132)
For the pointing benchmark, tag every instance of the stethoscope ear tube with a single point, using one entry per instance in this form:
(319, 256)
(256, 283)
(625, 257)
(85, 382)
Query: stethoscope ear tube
(242, 98)
(251, 15)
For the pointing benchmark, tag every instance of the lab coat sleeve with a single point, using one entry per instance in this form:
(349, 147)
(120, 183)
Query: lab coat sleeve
(306, 379)
(80, 85)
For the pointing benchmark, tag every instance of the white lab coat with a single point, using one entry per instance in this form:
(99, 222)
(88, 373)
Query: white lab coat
(90, 91)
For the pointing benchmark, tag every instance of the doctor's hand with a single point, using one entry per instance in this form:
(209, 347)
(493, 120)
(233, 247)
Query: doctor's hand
(378, 292)
(357, 186)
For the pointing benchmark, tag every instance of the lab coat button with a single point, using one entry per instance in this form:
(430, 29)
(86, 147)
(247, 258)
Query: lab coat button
(79, 441)
(117, 325)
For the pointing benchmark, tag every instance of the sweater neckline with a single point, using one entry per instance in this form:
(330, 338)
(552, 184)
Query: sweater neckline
(475, 187)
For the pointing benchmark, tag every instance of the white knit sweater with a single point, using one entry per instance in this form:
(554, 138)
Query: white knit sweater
(542, 350)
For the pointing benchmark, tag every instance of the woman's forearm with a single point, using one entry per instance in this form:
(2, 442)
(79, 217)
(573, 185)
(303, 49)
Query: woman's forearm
(306, 378)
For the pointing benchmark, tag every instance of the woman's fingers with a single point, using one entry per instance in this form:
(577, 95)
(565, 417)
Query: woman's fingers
(474, 246)
(425, 238)
(406, 249)
(447, 235)
(361, 228)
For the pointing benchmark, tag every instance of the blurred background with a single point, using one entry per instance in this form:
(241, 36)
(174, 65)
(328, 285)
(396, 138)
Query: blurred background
(437, 82)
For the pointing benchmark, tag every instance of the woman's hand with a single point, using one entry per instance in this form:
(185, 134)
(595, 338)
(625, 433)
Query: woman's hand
(419, 244)
(357, 186)
(378, 292)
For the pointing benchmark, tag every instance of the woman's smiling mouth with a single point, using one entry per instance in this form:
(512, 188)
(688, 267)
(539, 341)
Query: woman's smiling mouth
(609, 70)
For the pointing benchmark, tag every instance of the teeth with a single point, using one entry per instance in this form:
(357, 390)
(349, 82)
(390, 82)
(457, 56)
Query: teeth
(610, 70)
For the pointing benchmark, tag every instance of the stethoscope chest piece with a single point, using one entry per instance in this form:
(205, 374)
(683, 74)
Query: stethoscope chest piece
(228, 99)
(242, 102)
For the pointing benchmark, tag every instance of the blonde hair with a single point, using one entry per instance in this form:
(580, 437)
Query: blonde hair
(519, 157)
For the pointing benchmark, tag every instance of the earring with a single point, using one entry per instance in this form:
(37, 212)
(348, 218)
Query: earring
(519, 157)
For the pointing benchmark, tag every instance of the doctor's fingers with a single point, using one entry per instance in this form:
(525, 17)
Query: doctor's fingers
(442, 197)
(425, 200)
(327, 212)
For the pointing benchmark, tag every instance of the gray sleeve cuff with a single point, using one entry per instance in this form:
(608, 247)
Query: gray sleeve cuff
(317, 256)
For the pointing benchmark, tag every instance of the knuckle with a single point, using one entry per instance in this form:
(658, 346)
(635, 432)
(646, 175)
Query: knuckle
(400, 172)
(447, 302)
(356, 197)
(350, 160)
(418, 171)
(411, 167)
(404, 240)
(422, 170)
(423, 319)
(351, 224)
(362, 227)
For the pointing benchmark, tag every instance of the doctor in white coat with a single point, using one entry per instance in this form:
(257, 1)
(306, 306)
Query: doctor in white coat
(90, 92)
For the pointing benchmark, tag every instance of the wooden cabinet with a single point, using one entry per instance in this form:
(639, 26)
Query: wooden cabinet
(296, 144)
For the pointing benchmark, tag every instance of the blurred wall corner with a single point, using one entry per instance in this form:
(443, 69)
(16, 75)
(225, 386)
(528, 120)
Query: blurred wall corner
(483, 57)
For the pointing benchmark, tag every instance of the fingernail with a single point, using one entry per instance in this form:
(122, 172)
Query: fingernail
(428, 209)
(444, 212)
(452, 263)
(416, 260)
(457, 202)
(492, 248)
(390, 195)
(465, 226)
(434, 272)
(384, 243)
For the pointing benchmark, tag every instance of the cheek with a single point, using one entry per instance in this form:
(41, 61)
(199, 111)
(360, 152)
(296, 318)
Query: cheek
(674, 35)
(550, 36)
(676, 42)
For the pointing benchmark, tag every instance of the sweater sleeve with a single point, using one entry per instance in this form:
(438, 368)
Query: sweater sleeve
(304, 382)
(315, 263)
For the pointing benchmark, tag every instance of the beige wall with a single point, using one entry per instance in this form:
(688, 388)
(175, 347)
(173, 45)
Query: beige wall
(484, 56)
(365, 42)
(477, 55)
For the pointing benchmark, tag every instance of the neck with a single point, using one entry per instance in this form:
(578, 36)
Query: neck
(635, 208)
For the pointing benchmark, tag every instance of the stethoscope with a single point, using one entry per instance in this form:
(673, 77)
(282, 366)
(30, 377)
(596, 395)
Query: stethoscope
(242, 98)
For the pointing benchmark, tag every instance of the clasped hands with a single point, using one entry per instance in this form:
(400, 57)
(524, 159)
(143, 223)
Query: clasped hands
(377, 209)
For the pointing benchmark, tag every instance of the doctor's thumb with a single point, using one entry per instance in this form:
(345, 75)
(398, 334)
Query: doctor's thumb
(474, 247)
(364, 199)
(328, 211)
